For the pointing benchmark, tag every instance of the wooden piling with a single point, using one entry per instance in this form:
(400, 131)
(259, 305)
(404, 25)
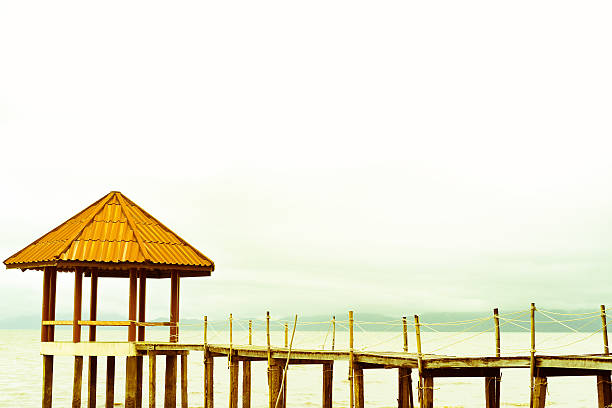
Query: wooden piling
(604, 388)
(142, 296)
(47, 381)
(46, 334)
(351, 363)
(131, 365)
(539, 392)
(532, 359)
(233, 383)
(287, 367)
(184, 394)
(208, 370)
(170, 380)
(328, 375)
(428, 392)
(272, 393)
(404, 375)
(246, 374)
(417, 330)
(493, 384)
(275, 378)
(92, 368)
(152, 378)
(359, 391)
(110, 382)
(77, 383)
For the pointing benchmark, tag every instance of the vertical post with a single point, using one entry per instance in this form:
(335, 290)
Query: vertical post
(52, 293)
(417, 329)
(351, 363)
(130, 362)
(208, 370)
(275, 378)
(152, 378)
(233, 392)
(229, 355)
(404, 375)
(110, 382)
(170, 391)
(333, 332)
(246, 374)
(497, 354)
(604, 390)
(271, 379)
(45, 304)
(286, 368)
(171, 369)
(76, 337)
(428, 387)
(492, 384)
(184, 394)
(92, 375)
(45, 336)
(539, 392)
(405, 333)
(359, 392)
(328, 373)
(142, 296)
(532, 358)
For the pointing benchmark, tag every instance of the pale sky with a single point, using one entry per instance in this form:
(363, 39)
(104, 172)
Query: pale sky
(389, 157)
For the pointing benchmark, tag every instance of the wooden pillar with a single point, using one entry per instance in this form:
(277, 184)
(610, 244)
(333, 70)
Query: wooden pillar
(405, 399)
(174, 305)
(328, 374)
(604, 392)
(152, 375)
(233, 383)
(131, 363)
(76, 337)
(209, 365)
(46, 333)
(110, 382)
(52, 293)
(142, 295)
(92, 371)
(170, 391)
(358, 381)
(47, 381)
(184, 394)
(491, 392)
(539, 392)
(45, 304)
(428, 392)
(275, 376)
(246, 384)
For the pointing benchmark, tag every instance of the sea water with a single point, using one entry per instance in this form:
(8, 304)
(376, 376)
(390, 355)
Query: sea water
(21, 368)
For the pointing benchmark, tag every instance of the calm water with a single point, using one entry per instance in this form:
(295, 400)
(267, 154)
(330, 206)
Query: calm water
(20, 369)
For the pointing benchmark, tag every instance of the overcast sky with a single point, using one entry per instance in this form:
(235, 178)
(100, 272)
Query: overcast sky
(389, 157)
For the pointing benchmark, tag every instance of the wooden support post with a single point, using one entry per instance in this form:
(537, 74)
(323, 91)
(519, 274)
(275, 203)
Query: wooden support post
(358, 379)
(532, 364)
(170, 390)
(45, 304)
(131, 365)
(539, 392)
(275, 377)
(132, 301)
(110, 382)
(52, 293)
(428, 392)
(492, 384)
(286, 368)
(142, 296)
(92, 369)
(233, 382)
(351, 363)
(77, 383)
(271, 393)
(174, 306)
(208, 379)
(246, 374)
(417, 329)
(184, 394)
(333, 332)
(152, 378)
(47, 381)
(604, 388)
(405, 388)
(328, 377)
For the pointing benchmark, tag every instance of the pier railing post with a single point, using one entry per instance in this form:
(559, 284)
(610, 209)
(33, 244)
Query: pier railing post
(604, 389)
(417, 330)
(404, 375)
(532, 363)
(351, 363)
(492, 384)
(208, 370)
(246, 374)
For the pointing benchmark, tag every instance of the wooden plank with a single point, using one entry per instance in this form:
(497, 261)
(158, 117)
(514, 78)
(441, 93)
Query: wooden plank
(89, 349)
(461, 372)
(184, 395)
(209, 365)
(131, 365)
(233, 383)
(77, 383)
(78, 302)
(133, 298)
(246, 384)
(604, 392)
(405, 399)
(568, 372)
(428, 392)
(170, 380)
(328, 377)
(152, 379)
(358, 381)
(47, 381)
(539, 392)
(92, 378)
(110, 382)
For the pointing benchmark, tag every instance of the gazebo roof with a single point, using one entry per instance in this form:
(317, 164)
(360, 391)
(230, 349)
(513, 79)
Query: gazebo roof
(113, 235)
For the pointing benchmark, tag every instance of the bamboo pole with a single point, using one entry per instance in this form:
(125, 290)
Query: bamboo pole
(497, 354)
(286, 335)
(333, 332)
(351, 362)
(250, 332)
(405, 333)
(246, 374)
(417, 329)
(229, 356)
(532, 359)
(604, 329)
(604, 392)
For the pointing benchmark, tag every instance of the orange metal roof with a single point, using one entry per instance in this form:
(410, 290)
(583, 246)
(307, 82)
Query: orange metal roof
(112, 231)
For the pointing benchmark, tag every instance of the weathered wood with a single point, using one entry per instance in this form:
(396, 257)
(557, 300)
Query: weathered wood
(92, 378)
(142, 299)
(132, 301)
(209, 364)
(405, 399)
(45, 304)
(417, 330)
(233, 382)
(567, 372)
(428, 392)
(152, 378)
(174, 305)
(110, 382)
(139, 367)
(170, 380)
(131, 367)
(246, 384)
(52, 294)
(275, 377)
(532, 362)
(328, 377)
(358, 381)
(351, 363)
(604, 392)
(462, 372)
(47, 381)
(491, 384)
(77, 384)
(539, 392)
(78, 302)
(92, 367)
(184, 395)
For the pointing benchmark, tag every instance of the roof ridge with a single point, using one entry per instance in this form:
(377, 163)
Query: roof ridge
(170, 231)
(132, 224)
(85, 224)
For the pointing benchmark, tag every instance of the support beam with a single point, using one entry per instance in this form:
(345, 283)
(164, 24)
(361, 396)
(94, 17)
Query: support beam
(604, 392)
(170, 391)
(209, 365)
(233, 383)
(78, 302)
(358, 381)
(428, 392)
(184, 394)
(142, 296)
(152, 378)
(405, 399)
(47, 381)
(132, 306)
(52, 292)
(174, 305)
(130, 383)
(45, 304)
(110, 382)
(77, 384)
(539, 392)
(246, 384)
(275, 376)
(492, 391)
(92, 368)
(328, 374)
